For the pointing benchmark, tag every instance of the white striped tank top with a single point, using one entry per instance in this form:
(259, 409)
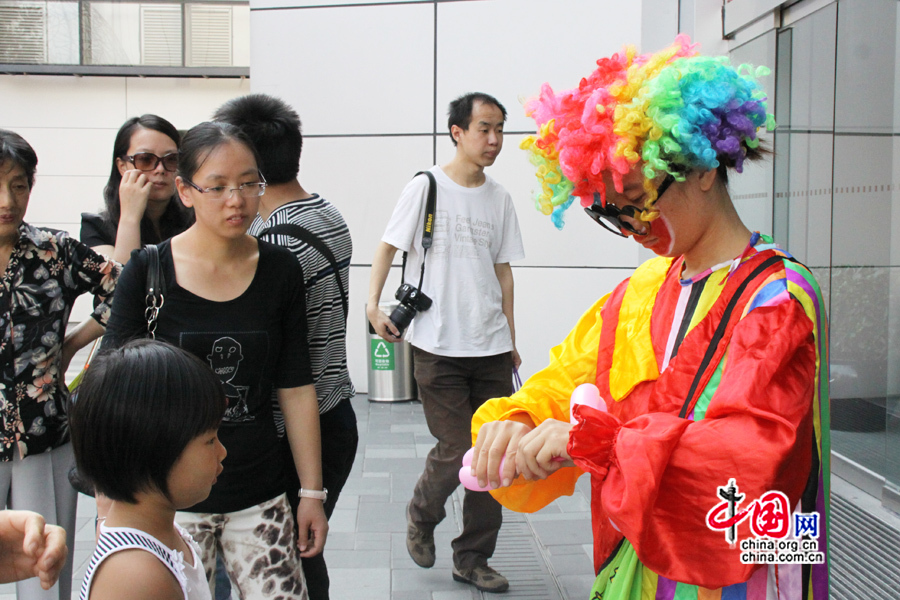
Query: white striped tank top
(191, 578)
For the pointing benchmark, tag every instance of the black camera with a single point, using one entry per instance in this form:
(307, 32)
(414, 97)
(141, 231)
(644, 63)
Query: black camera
(411, 301)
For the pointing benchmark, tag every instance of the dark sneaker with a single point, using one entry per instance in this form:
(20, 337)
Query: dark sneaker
(419, 543)
(482, 577)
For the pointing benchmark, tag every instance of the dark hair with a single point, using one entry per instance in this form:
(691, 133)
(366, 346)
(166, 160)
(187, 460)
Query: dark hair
(176, 217)
(275, 129)
(202, 139)
(137, 409)
(726, 162)
(460, 111)
(14, 149)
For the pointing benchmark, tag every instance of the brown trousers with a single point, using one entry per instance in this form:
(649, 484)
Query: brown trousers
(451, 389)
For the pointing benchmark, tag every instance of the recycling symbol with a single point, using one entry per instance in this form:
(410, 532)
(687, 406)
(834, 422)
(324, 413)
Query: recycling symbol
(382, 351)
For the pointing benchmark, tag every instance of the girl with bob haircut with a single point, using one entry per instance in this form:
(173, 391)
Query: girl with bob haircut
(712, 357)
(238, 304)
(140, 202)
(145, 431)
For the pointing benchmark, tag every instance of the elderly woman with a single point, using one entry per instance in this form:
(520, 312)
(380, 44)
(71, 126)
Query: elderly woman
(43, 272)
(711, 358)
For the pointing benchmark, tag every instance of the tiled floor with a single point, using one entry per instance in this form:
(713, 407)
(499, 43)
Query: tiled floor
(545, 555)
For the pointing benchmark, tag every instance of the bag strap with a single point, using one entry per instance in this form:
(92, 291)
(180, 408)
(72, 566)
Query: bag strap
(722, 335)
(427, 227)
(155, 289)
(308, 237)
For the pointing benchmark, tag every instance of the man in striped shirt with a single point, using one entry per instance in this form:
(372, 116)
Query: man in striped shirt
(275, 130)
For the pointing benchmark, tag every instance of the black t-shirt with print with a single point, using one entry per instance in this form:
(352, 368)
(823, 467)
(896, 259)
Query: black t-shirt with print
(256, 342)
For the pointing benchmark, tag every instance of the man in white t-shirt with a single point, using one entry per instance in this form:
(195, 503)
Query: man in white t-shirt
(464, 344)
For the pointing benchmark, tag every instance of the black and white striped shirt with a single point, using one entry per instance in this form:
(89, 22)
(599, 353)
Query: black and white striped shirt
(325, 313)
(190, 576)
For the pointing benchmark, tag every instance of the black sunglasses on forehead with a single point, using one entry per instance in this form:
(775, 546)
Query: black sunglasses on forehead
(147, 161)
(608, 216)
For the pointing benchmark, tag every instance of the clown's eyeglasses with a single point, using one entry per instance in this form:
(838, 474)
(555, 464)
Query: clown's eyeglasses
(610, 217)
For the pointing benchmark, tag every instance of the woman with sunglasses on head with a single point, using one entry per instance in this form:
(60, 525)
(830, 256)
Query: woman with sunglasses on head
(711, 358)
(238, 304)
(141, 205)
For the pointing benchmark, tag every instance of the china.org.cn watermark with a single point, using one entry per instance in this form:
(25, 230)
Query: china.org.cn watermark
(779, 536)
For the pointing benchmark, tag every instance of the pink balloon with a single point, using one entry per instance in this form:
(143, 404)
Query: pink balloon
(586, 393)
(469, 481)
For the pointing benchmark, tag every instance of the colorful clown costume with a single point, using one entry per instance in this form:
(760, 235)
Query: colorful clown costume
(720, 377)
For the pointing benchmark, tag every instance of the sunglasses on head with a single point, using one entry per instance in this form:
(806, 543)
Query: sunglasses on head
(147, 161)
(610, 217)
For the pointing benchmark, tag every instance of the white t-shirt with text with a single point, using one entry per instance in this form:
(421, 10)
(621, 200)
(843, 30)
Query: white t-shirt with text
(475, 228)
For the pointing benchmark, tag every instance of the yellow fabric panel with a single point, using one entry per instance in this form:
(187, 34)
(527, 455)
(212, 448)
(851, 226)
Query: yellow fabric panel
(633, 358)
(546, 396)
(711, 292)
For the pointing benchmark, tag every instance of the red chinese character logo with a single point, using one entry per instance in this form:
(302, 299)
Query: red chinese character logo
(770, 516)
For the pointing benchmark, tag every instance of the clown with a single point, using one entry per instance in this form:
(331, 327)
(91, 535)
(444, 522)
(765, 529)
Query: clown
(712, 358)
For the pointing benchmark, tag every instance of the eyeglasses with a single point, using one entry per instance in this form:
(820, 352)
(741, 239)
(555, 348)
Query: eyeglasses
(610, 217)
(221, 192)
(147, 161)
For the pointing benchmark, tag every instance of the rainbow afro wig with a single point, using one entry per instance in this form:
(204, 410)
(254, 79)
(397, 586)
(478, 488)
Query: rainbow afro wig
(669, 112)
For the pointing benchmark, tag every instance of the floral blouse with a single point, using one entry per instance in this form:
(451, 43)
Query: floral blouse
(46, 272)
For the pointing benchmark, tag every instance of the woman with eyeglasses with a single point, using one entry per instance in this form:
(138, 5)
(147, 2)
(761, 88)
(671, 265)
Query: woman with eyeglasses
(141, 205)
(711, 358)
(42, 273)
(238, 303)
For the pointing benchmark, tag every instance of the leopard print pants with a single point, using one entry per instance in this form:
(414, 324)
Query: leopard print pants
(259, 548)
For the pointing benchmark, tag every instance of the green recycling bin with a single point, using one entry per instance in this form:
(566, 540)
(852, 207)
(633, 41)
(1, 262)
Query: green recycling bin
(390, 366)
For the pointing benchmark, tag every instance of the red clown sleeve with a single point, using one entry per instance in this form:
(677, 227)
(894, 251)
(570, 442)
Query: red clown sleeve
(657, 474)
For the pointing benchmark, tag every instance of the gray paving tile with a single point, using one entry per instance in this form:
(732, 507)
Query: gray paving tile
(360, 583)
(343, 520)
(391, 453)
(340, 540)
(576, 587)
(373, 541)
(457, 595)
(357, 559)
(381, 517)
(435, 579)
(394, 465)
(561, 531)
(571, 564)
(406, 595)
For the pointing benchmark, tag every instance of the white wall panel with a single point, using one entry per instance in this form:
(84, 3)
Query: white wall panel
(509, 48)
(349, 70)
(75, 152)
(183, 101)
(61, 102)
(62, 199)
(363, 177)
(263, 4)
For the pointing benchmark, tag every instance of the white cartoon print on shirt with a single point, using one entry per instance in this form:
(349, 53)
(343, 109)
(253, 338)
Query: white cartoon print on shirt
(224, 359)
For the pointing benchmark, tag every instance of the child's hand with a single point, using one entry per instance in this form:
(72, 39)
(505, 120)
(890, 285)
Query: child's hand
(30, 548)
(312, 527)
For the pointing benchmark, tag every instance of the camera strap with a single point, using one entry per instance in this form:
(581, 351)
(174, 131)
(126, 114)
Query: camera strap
(428, 226)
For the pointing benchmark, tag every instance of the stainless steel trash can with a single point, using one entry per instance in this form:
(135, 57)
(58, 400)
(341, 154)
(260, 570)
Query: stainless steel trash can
(390, 366)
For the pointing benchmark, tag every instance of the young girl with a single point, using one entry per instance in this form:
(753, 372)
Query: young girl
(145, 431)
(239, 305)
